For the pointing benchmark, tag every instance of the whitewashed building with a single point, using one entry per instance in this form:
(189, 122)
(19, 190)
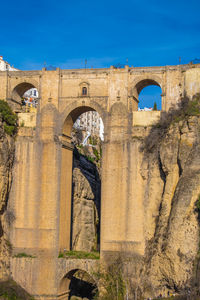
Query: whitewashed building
(33, 93)
(91, 122)
(145, 109)
(31, 98)
(5, 66)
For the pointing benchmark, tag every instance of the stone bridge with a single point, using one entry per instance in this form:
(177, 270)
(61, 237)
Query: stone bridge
(40, 197)
(66, 268)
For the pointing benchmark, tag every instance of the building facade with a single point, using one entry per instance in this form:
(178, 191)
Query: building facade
(5, 66)
(91, 122)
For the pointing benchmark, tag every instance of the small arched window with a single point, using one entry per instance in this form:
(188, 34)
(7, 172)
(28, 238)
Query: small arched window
(84, 91)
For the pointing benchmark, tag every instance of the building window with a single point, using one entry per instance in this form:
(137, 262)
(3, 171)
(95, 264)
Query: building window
(84, 91)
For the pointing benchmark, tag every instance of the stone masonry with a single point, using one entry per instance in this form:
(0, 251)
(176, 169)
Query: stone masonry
(41, 190)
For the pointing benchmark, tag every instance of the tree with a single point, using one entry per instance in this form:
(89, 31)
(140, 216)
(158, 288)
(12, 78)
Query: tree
(155, 106)
(8, 117)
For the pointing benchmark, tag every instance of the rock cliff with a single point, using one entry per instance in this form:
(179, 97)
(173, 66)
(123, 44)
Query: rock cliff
(171, 174)
(85, 204)
(6, 216)
(170, 171)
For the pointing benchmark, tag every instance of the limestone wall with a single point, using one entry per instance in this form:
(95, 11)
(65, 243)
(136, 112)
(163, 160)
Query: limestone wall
(145, 118)
(3, 85)
(27, 119)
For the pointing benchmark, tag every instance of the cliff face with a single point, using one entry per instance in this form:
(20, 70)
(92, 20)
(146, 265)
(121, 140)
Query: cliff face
(85, 204)
(171, 174)
(6, 216)
(170, 171)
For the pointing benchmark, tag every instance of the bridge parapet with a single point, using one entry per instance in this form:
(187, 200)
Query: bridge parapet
(145, 118)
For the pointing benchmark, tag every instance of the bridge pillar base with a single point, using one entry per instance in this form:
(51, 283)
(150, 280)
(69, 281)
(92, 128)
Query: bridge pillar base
(64, 296)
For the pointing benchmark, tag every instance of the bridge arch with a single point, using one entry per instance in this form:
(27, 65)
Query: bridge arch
(145, 81)
(77, 282)
(76, 108)
(18, 90)
(68, 118)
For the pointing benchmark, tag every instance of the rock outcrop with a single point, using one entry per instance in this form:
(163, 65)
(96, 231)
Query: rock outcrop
(85, 204)
(6, 216)
(171, 174)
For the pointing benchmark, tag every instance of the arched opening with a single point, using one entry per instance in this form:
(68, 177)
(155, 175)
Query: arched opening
(24, 97)
(77, 283)
(80, 182)
(149, 95)
(150, 98)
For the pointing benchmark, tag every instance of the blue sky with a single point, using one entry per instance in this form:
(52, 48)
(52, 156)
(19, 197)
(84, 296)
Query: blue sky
(64, 33)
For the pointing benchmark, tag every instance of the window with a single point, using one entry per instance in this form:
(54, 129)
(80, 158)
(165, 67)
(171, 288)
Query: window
(84, 91)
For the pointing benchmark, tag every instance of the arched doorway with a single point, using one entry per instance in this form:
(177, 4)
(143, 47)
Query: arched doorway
(77, 283)
(24, 97)
(80, 193)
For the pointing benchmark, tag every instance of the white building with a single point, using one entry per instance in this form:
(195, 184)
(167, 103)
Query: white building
(33, 93)
(91, 122)
(5, 66)
(31, 98)
(145, 109)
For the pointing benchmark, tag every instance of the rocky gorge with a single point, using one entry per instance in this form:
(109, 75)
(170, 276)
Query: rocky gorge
(171, 174)
(86, 193)
(170, 171)
(171, 185)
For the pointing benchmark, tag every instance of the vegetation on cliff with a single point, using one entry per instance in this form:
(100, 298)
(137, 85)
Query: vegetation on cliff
(112, 281)
(186, 108)
(10, 290)
(171, 178)
(6, 216)
(79, 255)
(8, 117)
(91, 150)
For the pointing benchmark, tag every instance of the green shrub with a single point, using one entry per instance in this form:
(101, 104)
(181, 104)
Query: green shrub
(186, 108)
(61, 255)
(22, 254)
(22, 124)
(198, 203)
(79, 255)
(92, 159)
(112, 282)
(9, 245)
(9, 129)
(93, 140)
(96, 153)
(9, 118)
